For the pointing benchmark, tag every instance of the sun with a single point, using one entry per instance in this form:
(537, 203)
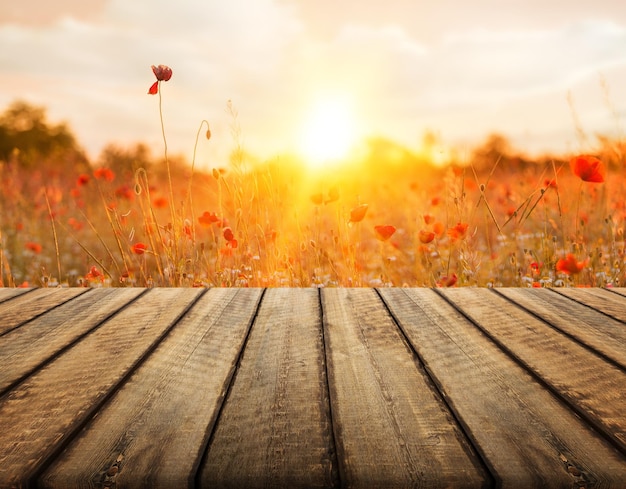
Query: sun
(329, 132)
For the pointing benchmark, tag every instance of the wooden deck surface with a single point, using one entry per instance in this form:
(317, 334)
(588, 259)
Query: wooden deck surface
(299, 388)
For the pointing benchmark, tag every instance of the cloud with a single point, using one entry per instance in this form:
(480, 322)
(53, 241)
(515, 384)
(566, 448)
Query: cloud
(408, 68)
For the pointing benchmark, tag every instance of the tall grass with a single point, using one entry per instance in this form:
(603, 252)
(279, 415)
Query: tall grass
(366, 222)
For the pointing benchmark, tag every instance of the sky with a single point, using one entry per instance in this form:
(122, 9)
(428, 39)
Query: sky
(528, 69)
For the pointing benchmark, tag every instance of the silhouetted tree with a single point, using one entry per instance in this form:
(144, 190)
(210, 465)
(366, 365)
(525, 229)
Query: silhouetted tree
(27, 139)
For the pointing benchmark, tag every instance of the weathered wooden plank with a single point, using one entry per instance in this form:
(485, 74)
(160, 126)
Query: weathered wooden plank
(8, 293)
(611, 304)
(157, 424)
(392, 428)
(592, 386)
(587, 325)
(25, 348)
(44, 411)
(618, 290)
(274, 429)
(25, 307)
(526, 435)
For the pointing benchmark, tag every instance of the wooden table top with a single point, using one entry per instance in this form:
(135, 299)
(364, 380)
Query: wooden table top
(367, 388)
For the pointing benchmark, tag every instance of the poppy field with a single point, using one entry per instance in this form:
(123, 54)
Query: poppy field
(375, 220)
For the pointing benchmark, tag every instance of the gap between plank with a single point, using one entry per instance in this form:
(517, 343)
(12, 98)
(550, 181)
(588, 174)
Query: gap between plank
(571, 336)
(555, 291)
(491, 475)
(19, 325)
(196, 471)
(65, 348)
(74, 430)
(593, 423)
(337, 472)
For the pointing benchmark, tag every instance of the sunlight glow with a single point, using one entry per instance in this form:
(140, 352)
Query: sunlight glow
(328, 133)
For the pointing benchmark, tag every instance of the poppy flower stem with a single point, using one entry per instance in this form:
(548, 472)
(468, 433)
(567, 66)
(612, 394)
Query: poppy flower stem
(580, 194)
(54, 234)
(167, 165)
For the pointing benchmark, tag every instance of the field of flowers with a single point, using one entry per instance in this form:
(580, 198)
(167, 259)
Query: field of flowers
(373, 221)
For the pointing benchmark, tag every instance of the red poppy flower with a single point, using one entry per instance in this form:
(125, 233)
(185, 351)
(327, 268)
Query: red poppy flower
(458, 231)
(125, 192)
(75, 224)
(569, 265)
(358, 213)
(94, 274)
(139, 248)
(34, 247)
(162, 73)
(588, 168)
(448, 281)
(104, 174)
(535, 268)
(160, 202)
(207, 218)
(383, 233)
(228, 234)
(439, 228)
(426, 236)
(82, 179)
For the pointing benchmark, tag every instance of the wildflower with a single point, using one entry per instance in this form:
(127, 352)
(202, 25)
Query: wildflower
(160, 202)
(358, 213)
(383, 233)
(426, 236)
(228, 234)
(82, 179)
(124, 192)
(162, 73)
(104, 174)
(94, 273)
(75, 224)
(448, 281)
(428, 218)
(207, 218)
(588, 168)
(458, 231)
(569, 265)
(34, 247)
(535, 268)
(139, 248)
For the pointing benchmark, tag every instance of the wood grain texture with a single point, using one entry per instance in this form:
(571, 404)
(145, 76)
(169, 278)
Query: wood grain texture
(300, 388)
(527, 437)
(23, 349)
(392, 428)
(157, 424)
(595, 388)
(602, 333)
(609, 303)
(25, 307)
(7, 293)
(41, 413)
(274, 430)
